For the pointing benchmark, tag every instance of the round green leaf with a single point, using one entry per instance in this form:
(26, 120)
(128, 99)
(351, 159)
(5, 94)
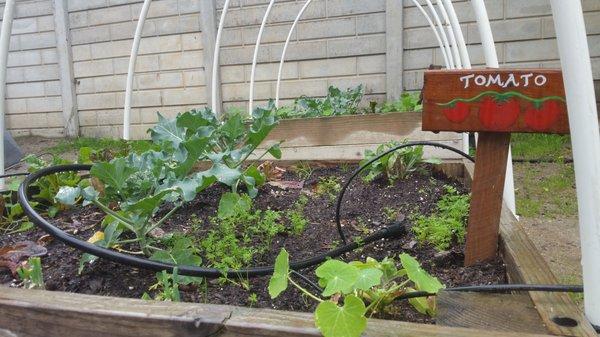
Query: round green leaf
(368, 278)
(422, 280)
(347, 321)
(340, 277)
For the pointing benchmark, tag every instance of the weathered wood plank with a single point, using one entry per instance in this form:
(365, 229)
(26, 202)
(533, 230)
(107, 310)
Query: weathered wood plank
(352, 152)
(354, 129)
(500, 312)
(525, 265)
(486, 197)
(44, 313)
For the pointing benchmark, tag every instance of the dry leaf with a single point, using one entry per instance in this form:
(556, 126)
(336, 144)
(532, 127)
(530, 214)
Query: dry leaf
(11, 256)
(96, 237)
(287, 184)
(271, 171)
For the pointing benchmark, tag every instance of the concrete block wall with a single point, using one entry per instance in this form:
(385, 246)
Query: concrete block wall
(169, 70)
(523, 31)
(33, 94)
(337, 42)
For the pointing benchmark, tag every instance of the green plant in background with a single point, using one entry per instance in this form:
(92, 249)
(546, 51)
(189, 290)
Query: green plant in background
(303, 170)
(364, 288)
(329, 187)
(448, 222)
(337, 102)
(166, 287)
(239, 232)
(394, 165)
(140, 183)
(31, 274)
(390, 213)
(408, 101)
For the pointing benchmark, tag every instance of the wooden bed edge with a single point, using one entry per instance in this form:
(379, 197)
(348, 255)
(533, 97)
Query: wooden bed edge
(26, 313)
(524, 264)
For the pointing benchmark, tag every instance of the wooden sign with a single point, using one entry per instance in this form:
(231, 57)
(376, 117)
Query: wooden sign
(495, 100)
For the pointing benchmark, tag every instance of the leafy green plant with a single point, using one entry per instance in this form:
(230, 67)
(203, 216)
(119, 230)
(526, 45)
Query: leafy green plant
(329, 186)
(296, 215)
(239, 232)
(395, 165)
(303, 170)
(140, 183)
(408, 101)
(31, 274)
(447, 223)
(390, 213)
(364, 288)
(337, 102)
(166, 287)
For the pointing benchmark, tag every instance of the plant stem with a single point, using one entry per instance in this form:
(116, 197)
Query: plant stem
(162, 220)
(304, 290)
(115, 215)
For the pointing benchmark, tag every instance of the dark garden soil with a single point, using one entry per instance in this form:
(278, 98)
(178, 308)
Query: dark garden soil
(362, 213)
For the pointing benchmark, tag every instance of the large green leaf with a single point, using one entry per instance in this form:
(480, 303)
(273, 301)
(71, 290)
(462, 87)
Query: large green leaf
(224, 174)
(279, 281)
(233, 128)
(368, 278)
(422, 280)
(195, 148)
(166, 130)
(196, 119)
(337, 276)
(113, 174)
(147, 206)
(68, 195)
(346, 321)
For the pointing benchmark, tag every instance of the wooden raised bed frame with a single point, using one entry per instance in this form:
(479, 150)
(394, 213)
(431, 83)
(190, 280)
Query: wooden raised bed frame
(46, 313)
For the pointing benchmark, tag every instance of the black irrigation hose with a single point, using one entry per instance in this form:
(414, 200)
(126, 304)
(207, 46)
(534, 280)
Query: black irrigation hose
(363, 167)
(138, 262)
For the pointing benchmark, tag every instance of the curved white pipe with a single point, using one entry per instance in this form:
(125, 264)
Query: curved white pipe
(460, 39)
(435, 32)
(131, 70)
(583, 121)
(215, 67)
(454, 46)
(255, 58)
(442, 32)
(491, 60)
(7, 20)
(287, 41)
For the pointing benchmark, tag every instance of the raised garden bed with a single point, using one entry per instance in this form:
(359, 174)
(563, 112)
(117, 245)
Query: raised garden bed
(28, 313)
(347, 137)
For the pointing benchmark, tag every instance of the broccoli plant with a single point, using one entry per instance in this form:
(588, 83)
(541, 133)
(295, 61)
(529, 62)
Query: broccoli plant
(394, 165)
(364, 288)
(337, 102)
(132, 189)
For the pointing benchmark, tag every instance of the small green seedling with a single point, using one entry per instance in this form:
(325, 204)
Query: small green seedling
(31, 274)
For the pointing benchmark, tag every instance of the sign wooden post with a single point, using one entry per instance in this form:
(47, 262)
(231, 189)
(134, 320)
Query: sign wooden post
(495, 103)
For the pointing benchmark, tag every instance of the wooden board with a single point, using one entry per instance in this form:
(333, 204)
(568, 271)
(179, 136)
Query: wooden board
(495, 100)
(486, 197)
(43, 313)
(524, 264)
(499, 312)
(347, 137)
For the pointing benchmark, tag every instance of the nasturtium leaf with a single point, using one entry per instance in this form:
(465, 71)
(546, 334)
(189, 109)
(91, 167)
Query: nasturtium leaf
(166, 130)
(68, 195)
(422, 280)
(339, 276)
(368, 278)
(346, 321)
(279, 281)
(232, 204)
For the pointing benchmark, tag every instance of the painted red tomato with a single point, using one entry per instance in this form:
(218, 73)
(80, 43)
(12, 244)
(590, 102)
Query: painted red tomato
(544, 117)
(498, 115)
(457, 113)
